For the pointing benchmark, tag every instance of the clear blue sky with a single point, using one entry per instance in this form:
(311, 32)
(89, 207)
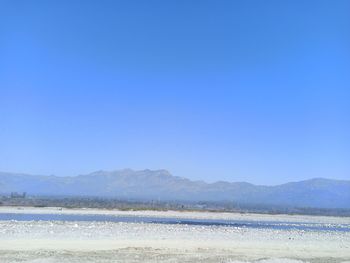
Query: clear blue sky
(242, 90)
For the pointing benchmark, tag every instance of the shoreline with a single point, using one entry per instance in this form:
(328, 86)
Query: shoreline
(177, 214)
(109, 240)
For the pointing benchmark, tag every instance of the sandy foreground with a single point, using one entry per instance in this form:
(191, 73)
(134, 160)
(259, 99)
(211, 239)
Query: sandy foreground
(57, 241)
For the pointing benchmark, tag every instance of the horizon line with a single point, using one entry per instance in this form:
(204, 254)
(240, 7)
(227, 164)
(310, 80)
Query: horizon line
(170, 174)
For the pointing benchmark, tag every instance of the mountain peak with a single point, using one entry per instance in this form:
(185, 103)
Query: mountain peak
(160, 184)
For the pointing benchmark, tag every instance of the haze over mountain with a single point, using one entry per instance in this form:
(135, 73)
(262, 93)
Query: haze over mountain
(161, 185)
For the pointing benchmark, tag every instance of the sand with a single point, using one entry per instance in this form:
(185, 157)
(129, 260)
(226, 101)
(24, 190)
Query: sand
(55, 241)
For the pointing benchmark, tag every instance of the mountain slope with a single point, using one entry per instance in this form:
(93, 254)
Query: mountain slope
(160, 184)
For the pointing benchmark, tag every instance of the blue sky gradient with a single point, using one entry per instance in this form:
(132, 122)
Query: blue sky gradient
(254, 91)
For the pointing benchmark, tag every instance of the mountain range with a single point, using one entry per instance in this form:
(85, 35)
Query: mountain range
(161, 185)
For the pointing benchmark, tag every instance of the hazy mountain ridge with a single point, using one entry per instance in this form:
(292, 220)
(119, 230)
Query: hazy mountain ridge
(161, 185)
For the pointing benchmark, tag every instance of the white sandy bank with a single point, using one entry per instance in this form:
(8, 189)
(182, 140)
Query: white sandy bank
(179, 214)
(31, 239)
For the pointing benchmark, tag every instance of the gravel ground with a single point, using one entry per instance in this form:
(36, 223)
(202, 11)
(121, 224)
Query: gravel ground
(59, 241)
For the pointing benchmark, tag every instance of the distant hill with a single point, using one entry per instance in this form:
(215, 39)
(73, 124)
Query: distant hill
(161, 185)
